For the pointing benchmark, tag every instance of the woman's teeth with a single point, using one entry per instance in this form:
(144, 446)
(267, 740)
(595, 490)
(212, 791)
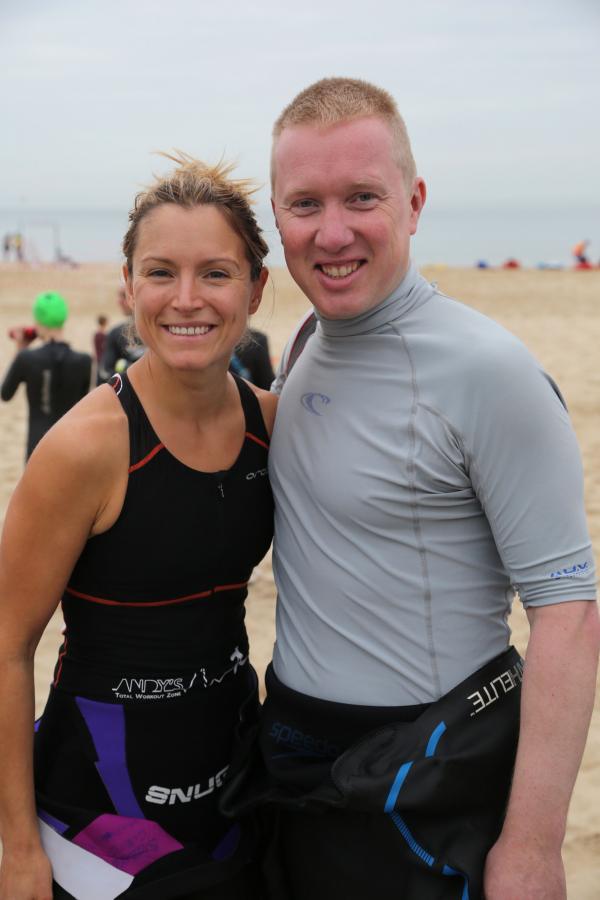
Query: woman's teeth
(188, 329)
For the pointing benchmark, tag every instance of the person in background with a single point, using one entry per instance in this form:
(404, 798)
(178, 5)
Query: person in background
(424, 469)
(254, 355)
(119, 349)
(99, 338)
(579, 251)
(56, 377)
(146, 509)
(17, 243)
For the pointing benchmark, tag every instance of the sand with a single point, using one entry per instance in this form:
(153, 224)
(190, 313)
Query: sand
(557, 314)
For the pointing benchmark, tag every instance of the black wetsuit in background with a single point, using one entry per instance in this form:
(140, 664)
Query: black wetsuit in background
(56, 377)
(255, 357)
(119, 352)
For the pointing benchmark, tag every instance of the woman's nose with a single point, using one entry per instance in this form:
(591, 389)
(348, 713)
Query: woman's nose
(188, 295)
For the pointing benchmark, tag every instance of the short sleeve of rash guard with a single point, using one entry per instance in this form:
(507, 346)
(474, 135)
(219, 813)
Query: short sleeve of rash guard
(526, 470)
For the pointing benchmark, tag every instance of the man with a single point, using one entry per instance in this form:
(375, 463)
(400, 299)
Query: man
(424, 468)
(119, 350)
(55, 376)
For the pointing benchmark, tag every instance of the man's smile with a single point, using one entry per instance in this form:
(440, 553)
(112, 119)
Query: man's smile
(339, 270)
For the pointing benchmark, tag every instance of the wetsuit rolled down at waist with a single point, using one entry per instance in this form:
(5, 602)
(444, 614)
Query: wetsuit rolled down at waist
(153, 681)
(409, 798)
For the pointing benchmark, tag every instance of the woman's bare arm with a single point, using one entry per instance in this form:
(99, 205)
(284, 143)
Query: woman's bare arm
(71, 487)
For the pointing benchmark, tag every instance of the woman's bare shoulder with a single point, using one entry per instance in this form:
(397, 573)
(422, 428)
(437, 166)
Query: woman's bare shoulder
(92, 436)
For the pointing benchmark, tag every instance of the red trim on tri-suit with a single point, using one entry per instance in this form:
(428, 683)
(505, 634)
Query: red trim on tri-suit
(216, 590)
(61, 656)
(258, 440)
(146, 459)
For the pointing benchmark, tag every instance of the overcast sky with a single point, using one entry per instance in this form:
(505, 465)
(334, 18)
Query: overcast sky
(501, 99)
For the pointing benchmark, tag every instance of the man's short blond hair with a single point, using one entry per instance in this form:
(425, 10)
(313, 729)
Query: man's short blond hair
(333, 100)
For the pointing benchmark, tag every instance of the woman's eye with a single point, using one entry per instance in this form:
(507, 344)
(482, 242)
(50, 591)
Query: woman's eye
(217, 274)
(159, 273)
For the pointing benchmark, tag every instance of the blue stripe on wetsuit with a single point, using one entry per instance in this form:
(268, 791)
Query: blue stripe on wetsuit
(399, 822)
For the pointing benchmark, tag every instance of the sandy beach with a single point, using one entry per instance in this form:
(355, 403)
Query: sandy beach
(556, 313)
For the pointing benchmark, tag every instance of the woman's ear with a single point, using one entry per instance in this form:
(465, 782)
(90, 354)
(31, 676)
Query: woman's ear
(127, 285)
(258, 287)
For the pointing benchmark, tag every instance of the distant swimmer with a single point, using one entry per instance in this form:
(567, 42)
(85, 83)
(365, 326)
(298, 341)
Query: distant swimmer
(55, 376)
(99, 337)
(579, 252)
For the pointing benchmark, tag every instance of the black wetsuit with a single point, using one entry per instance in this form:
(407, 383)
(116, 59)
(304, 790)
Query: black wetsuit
(56, 378)
(378, 802)
(118, 352)
(255, 357)
(153, 678)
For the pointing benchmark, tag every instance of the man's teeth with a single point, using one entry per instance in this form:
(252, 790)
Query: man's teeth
(188, 329)
(340, 271)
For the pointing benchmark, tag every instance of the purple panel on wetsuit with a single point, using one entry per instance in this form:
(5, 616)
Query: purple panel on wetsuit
(106, 724)
(127, 844)
(51, 821)
(228, 844)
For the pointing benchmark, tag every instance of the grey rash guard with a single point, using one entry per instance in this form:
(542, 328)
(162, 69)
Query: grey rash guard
(424, 468)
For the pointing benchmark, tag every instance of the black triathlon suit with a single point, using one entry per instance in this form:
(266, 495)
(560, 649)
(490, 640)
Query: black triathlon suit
(153, 681)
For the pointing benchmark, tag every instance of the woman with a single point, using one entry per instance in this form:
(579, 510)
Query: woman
(145, 508)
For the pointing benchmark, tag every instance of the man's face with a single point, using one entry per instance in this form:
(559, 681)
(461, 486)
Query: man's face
(344, 213)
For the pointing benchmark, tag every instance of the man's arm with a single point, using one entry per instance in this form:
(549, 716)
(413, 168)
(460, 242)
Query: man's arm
(13, 378)
(558, 697)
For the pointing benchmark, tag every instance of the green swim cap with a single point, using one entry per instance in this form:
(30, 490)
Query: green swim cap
(50, 310)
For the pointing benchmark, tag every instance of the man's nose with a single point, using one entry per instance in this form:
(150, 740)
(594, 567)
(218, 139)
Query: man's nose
(334, 232)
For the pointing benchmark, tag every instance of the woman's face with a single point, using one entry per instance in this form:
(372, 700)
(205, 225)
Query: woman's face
(190, 287)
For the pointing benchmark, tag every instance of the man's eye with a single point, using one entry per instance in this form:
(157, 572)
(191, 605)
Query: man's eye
(365, 198)
(305, 205)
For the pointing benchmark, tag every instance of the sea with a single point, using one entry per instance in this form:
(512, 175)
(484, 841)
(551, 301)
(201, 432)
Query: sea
(453, 237)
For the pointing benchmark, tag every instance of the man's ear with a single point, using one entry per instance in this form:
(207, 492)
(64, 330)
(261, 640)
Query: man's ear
(417, 202)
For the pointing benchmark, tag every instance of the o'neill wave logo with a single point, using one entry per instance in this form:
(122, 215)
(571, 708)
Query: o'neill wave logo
(575, 571)
(313, 401)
